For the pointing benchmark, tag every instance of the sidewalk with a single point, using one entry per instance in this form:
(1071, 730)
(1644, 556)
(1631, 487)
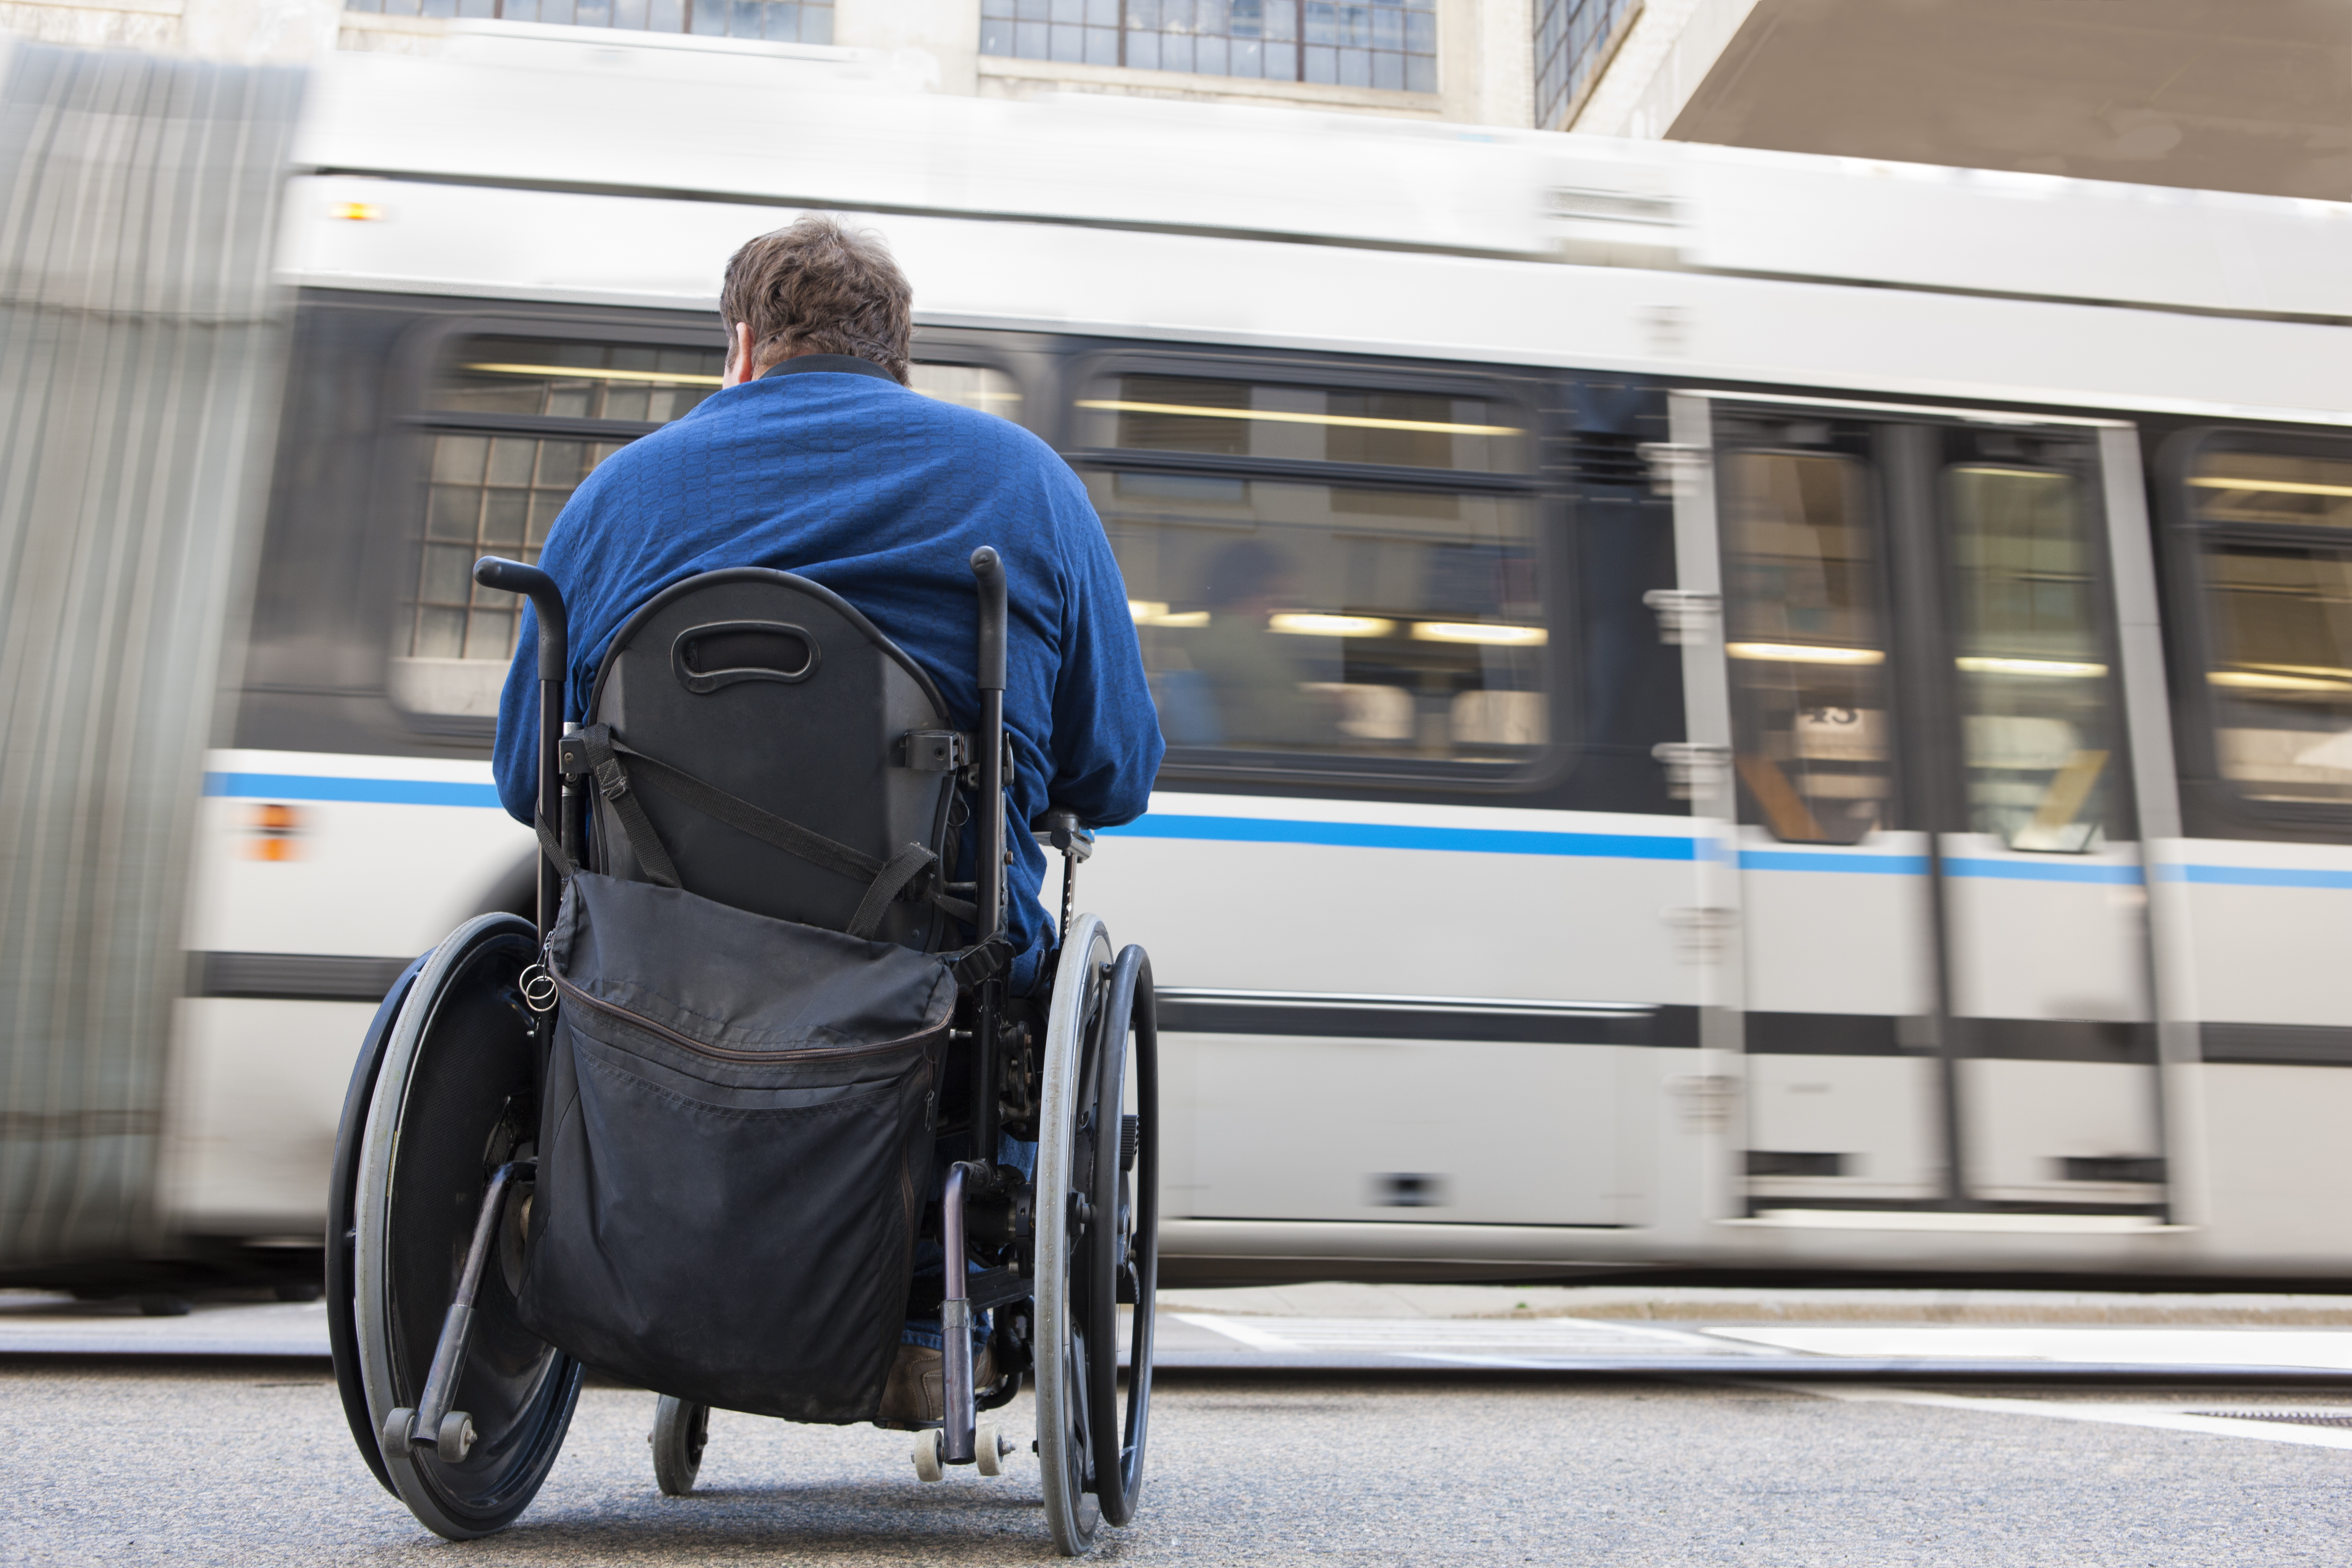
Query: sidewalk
(1561, 1329)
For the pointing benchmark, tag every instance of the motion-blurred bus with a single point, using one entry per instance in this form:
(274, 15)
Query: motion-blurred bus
(1725, 710)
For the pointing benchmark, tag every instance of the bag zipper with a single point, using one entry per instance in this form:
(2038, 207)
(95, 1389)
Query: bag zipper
(566, 989)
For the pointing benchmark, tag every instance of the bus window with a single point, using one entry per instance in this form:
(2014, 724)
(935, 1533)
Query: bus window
(2038, 733)
(971, 385)
(1352, 621)
(1806, 637)
(2277, 556)
(1303, 424)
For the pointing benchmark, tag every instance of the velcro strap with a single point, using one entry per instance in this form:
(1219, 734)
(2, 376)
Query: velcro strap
(888, 883)
(885, 882)
(612, 782)
(611, 778)
(744, 818)
(550, 846)
(977, 965)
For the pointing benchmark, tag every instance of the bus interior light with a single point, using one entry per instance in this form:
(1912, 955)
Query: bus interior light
(1283, 416)
(2057, 667)
(591, 373)
(1805, 653)
(1156, 613)
(1301, 624)
(1490, 633)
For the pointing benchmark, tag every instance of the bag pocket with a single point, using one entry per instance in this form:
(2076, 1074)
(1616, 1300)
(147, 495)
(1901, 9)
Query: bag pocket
(734, 1136)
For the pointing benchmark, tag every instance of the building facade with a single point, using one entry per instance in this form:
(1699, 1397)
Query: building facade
(2249, 95)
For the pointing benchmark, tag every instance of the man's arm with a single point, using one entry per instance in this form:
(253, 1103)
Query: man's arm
(1106, 744)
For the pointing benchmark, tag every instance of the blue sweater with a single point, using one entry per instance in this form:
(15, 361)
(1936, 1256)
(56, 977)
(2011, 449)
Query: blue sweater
(828, 468)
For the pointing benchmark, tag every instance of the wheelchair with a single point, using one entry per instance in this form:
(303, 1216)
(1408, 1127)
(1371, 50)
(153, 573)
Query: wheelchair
(754, 745)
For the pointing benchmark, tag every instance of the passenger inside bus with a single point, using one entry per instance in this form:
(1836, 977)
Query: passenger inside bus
(1255, 679)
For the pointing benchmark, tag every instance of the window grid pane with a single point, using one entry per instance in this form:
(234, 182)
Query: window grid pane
(496, 493)
(1386, 44)
(774, 21)
(1574, 39)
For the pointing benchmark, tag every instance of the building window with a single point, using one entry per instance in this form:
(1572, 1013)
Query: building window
(775, 21)
(1574, 39)
(1387, 43)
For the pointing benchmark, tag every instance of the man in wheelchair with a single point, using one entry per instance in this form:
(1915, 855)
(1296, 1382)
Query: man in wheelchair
(816, 458)
(793, 1028)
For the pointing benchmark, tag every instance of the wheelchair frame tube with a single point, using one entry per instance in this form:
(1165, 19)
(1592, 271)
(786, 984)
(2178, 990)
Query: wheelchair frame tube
(554, 656)
(993, 610)
(988, 571)
(957, 1413)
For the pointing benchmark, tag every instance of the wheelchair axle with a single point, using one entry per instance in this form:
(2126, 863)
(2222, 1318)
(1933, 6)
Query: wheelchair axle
(450, 1433)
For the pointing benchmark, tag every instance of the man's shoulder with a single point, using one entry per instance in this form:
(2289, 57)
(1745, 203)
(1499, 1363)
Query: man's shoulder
(971, 428)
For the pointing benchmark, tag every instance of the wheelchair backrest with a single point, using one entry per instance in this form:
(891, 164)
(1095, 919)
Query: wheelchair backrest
(776, 690)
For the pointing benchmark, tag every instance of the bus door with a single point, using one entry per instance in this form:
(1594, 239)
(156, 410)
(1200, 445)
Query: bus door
(1943, 997)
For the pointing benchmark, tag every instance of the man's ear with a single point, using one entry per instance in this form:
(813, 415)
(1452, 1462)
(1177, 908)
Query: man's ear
(739, 357)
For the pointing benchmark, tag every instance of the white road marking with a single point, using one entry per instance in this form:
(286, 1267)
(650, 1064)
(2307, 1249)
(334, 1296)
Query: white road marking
(2330, 1349)
(1507, 1340)
(2162, 1417)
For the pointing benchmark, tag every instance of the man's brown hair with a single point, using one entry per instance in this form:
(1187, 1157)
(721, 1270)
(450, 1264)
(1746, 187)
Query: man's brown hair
(819, 288)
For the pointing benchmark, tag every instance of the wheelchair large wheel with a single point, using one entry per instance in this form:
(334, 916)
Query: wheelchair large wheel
(455, 1096)
(1097, 1235)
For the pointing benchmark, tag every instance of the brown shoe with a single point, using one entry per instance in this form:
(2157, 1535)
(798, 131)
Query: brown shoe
(916, 1392)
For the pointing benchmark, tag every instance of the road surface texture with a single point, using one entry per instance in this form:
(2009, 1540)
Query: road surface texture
(1324, 1425)
(247, 1461)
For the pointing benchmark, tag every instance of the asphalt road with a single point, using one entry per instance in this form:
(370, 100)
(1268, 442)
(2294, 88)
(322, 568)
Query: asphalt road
(247, 1461)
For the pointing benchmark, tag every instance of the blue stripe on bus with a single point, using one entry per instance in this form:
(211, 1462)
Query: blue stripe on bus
(1861, 865)
(1389, 836)
(2044, 871)
(376, 792)
(2255, 876)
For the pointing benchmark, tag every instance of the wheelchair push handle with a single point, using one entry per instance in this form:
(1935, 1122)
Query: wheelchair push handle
(554, 629)
(560, 806)
(989, 573)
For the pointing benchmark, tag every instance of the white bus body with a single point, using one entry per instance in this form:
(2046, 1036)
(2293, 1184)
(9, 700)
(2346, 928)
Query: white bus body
(1552, 1017)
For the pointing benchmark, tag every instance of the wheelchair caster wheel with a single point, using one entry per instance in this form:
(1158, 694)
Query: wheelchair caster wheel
(990, 1448)
(681, 1431)
(927, 1467)
(456, 1438)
